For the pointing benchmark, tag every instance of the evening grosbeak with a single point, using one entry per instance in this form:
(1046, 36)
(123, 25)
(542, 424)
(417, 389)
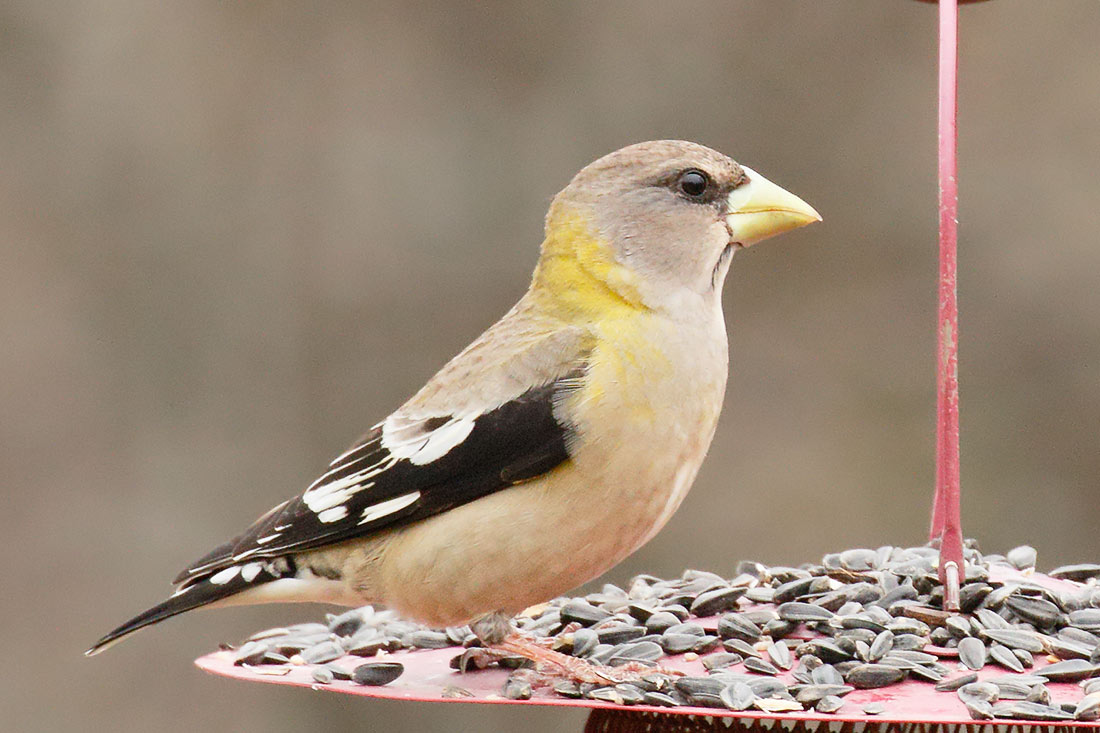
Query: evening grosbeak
(552, 447)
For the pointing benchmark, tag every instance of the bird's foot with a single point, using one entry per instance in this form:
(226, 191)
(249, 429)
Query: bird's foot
(553, 665)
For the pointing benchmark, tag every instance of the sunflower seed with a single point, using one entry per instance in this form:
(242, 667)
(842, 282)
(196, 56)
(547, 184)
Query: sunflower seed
(1003, 656)
(829, 704)
(1024, 710)
(972, 653)
(659, 699)
(780, 655)
(374, 674)
(346, 624)
(606, 694)
(706, 643)
(1022, 557)
(737, 696)
(1086, 618)
(1078, 636)
(583, 613)
(661, 621)
(971, 596)
(678, 643)
(991, 619)
(1015, 639)
(251, 652)
(738, 646)
(861, 621)
(366, 645)
(914, 656)
(1039, 694)
(868, 676)
(810, 694)
(721, 660)
(1039, 611)
(762, 666)
(585, 642)
(1066, 649)
(827, 674)
(979, 709)
(792, 589)
(716, 601)
(1080, 573)
(958, 627)
(797, 611)
(1088, 708)
(619, 634)
(956, 682)
(338, 672)
(1027, 680)
(882, 644)
(630, 694)
(692, 686)
(324, 652)
(909, 642)
(825, 650)
(639, 651)
(1070, 670)
(691, 628)
(1011, 689)
(736, 626)
(765, 686)
(984, 691)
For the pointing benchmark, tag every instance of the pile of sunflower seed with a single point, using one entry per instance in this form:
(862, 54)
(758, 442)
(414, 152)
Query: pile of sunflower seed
(775, 639)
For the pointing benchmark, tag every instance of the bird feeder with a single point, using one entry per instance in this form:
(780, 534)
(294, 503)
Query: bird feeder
(1062, 660)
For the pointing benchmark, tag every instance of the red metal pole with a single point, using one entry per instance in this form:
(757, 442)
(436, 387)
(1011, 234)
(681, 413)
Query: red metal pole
(945, 515)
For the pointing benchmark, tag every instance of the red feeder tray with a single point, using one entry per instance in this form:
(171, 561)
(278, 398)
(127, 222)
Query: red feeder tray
(428, 674)
(912, 704)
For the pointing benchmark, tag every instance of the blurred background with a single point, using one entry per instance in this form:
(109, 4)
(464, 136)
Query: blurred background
(235, 235)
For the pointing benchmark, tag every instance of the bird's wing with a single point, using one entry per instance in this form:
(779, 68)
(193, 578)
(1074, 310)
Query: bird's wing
(425, 459)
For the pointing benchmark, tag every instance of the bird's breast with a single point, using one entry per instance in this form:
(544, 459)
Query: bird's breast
(651, 401)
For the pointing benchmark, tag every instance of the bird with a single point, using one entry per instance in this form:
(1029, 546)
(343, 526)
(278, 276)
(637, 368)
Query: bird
(553, 446)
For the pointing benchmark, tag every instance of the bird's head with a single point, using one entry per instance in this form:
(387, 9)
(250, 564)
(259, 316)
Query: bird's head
(655, 224)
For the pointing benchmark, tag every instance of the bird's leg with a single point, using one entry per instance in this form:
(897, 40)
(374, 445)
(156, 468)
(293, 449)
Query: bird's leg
(496, 632)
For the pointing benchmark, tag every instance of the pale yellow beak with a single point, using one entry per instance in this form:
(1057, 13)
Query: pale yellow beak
(759, 209)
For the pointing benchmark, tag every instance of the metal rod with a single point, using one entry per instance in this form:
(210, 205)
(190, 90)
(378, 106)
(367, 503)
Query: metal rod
(946, 525)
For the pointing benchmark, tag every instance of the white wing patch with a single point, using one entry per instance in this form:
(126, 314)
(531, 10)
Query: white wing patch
(250, 571)
(224, 576)
(335, 514)
(381, 509)
(407, 438)
(402, 438)
(322, 496)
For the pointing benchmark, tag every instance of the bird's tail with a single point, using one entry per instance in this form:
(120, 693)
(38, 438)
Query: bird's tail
(255, 582)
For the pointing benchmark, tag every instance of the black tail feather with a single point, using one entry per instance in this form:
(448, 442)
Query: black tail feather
(200, 592)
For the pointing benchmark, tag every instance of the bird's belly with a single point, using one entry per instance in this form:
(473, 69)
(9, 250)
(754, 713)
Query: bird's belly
(527, 544)
(534, 541)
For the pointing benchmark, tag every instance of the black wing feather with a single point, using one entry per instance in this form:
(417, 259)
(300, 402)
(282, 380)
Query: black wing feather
(515, 442)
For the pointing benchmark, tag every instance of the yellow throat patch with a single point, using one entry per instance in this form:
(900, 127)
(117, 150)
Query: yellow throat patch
(578, 273)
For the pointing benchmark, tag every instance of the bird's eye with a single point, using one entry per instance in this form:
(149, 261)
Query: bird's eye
(693, 183)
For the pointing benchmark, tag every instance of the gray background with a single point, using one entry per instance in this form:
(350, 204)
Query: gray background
(234, 235)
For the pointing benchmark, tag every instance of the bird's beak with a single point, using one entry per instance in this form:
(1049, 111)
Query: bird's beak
(759, 209)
